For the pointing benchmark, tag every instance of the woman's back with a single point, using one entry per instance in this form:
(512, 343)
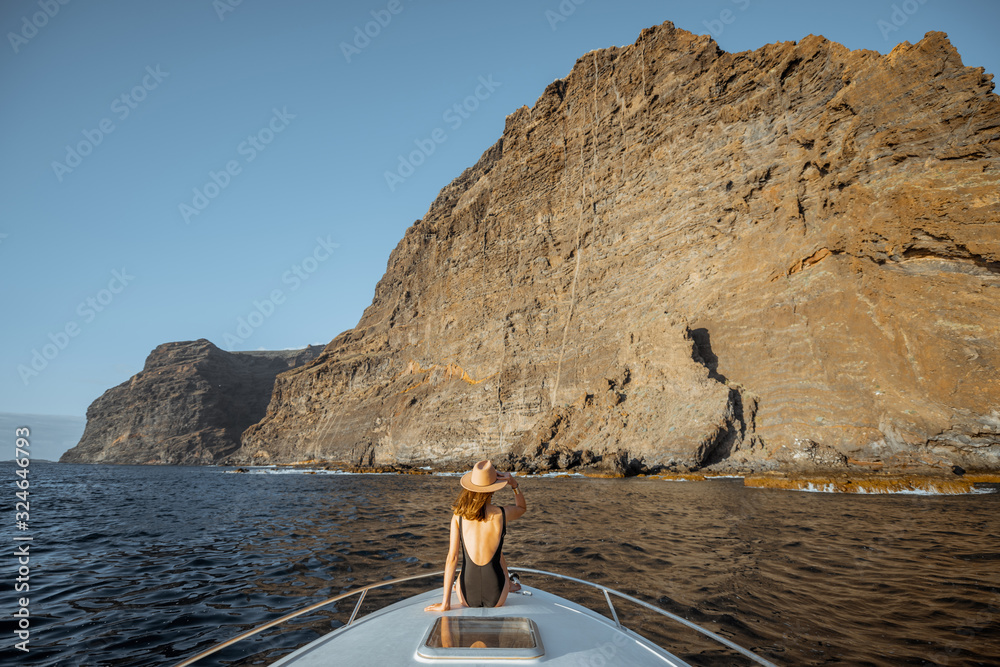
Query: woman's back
(483, 584)
(481, 538)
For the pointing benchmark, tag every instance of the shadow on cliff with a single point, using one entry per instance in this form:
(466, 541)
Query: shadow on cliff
(704, 355)
(738, 430)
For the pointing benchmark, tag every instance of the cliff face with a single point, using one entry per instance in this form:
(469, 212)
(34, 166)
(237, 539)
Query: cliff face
(682, 257)
(189, 405)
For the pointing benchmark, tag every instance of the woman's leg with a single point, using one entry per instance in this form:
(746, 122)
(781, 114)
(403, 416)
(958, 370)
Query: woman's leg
(458, 589)
(514, 587)
(505, 584)
(503, 594)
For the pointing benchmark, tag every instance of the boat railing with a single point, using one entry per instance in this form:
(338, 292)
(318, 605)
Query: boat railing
(362, 591)
(608, 592)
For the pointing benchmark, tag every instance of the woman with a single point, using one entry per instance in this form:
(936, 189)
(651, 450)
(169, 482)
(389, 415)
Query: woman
(477, 530)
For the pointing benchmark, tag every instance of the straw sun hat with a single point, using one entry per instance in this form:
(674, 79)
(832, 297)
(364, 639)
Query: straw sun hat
(482, 478)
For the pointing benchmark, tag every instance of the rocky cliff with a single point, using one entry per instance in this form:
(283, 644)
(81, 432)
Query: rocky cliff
(681, 257)
(189, 405)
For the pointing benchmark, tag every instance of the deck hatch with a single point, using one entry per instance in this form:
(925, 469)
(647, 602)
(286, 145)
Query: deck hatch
(482, 638)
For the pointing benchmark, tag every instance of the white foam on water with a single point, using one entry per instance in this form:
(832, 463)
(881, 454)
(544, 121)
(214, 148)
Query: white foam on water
(260, 470)
(810, 488)
(830, 488)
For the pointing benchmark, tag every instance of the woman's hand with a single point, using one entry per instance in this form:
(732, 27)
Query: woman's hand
(509, 477)
(440, 606)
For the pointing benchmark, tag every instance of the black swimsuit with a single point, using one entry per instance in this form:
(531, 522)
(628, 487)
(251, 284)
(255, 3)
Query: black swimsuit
(482, 585)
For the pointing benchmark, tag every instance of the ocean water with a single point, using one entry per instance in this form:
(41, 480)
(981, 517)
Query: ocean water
(134, 565)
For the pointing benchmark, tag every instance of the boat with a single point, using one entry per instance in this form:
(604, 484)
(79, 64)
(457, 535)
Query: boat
(534, 626)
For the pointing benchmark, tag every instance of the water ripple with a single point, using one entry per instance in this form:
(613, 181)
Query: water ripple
(145, 566)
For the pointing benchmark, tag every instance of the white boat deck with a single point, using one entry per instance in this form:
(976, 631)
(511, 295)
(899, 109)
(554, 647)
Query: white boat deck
(570, 635)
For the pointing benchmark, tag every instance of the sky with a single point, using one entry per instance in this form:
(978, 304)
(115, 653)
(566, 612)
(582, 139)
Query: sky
(240, 170)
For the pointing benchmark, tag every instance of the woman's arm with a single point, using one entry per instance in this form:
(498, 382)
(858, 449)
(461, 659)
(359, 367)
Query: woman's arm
(520, 505)
(450, 564)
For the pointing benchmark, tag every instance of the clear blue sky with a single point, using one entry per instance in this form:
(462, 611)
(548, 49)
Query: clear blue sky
(153, 97)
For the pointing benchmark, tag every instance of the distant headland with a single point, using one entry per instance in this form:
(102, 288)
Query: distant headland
(188, 406)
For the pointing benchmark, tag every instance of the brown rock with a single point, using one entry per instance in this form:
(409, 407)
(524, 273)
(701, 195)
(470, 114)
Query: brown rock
(189, 405)
(806, 454)
(682, 257)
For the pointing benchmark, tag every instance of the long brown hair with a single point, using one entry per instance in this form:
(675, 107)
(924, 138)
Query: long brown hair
(471, 505)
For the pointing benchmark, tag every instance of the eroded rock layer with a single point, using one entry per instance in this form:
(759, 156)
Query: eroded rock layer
(189, 405)
(681, 257)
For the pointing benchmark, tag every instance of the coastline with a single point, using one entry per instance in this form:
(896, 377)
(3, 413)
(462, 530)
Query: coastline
(869, 482)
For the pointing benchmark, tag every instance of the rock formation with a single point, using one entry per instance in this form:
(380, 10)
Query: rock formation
(189, 405)
(681, 257)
